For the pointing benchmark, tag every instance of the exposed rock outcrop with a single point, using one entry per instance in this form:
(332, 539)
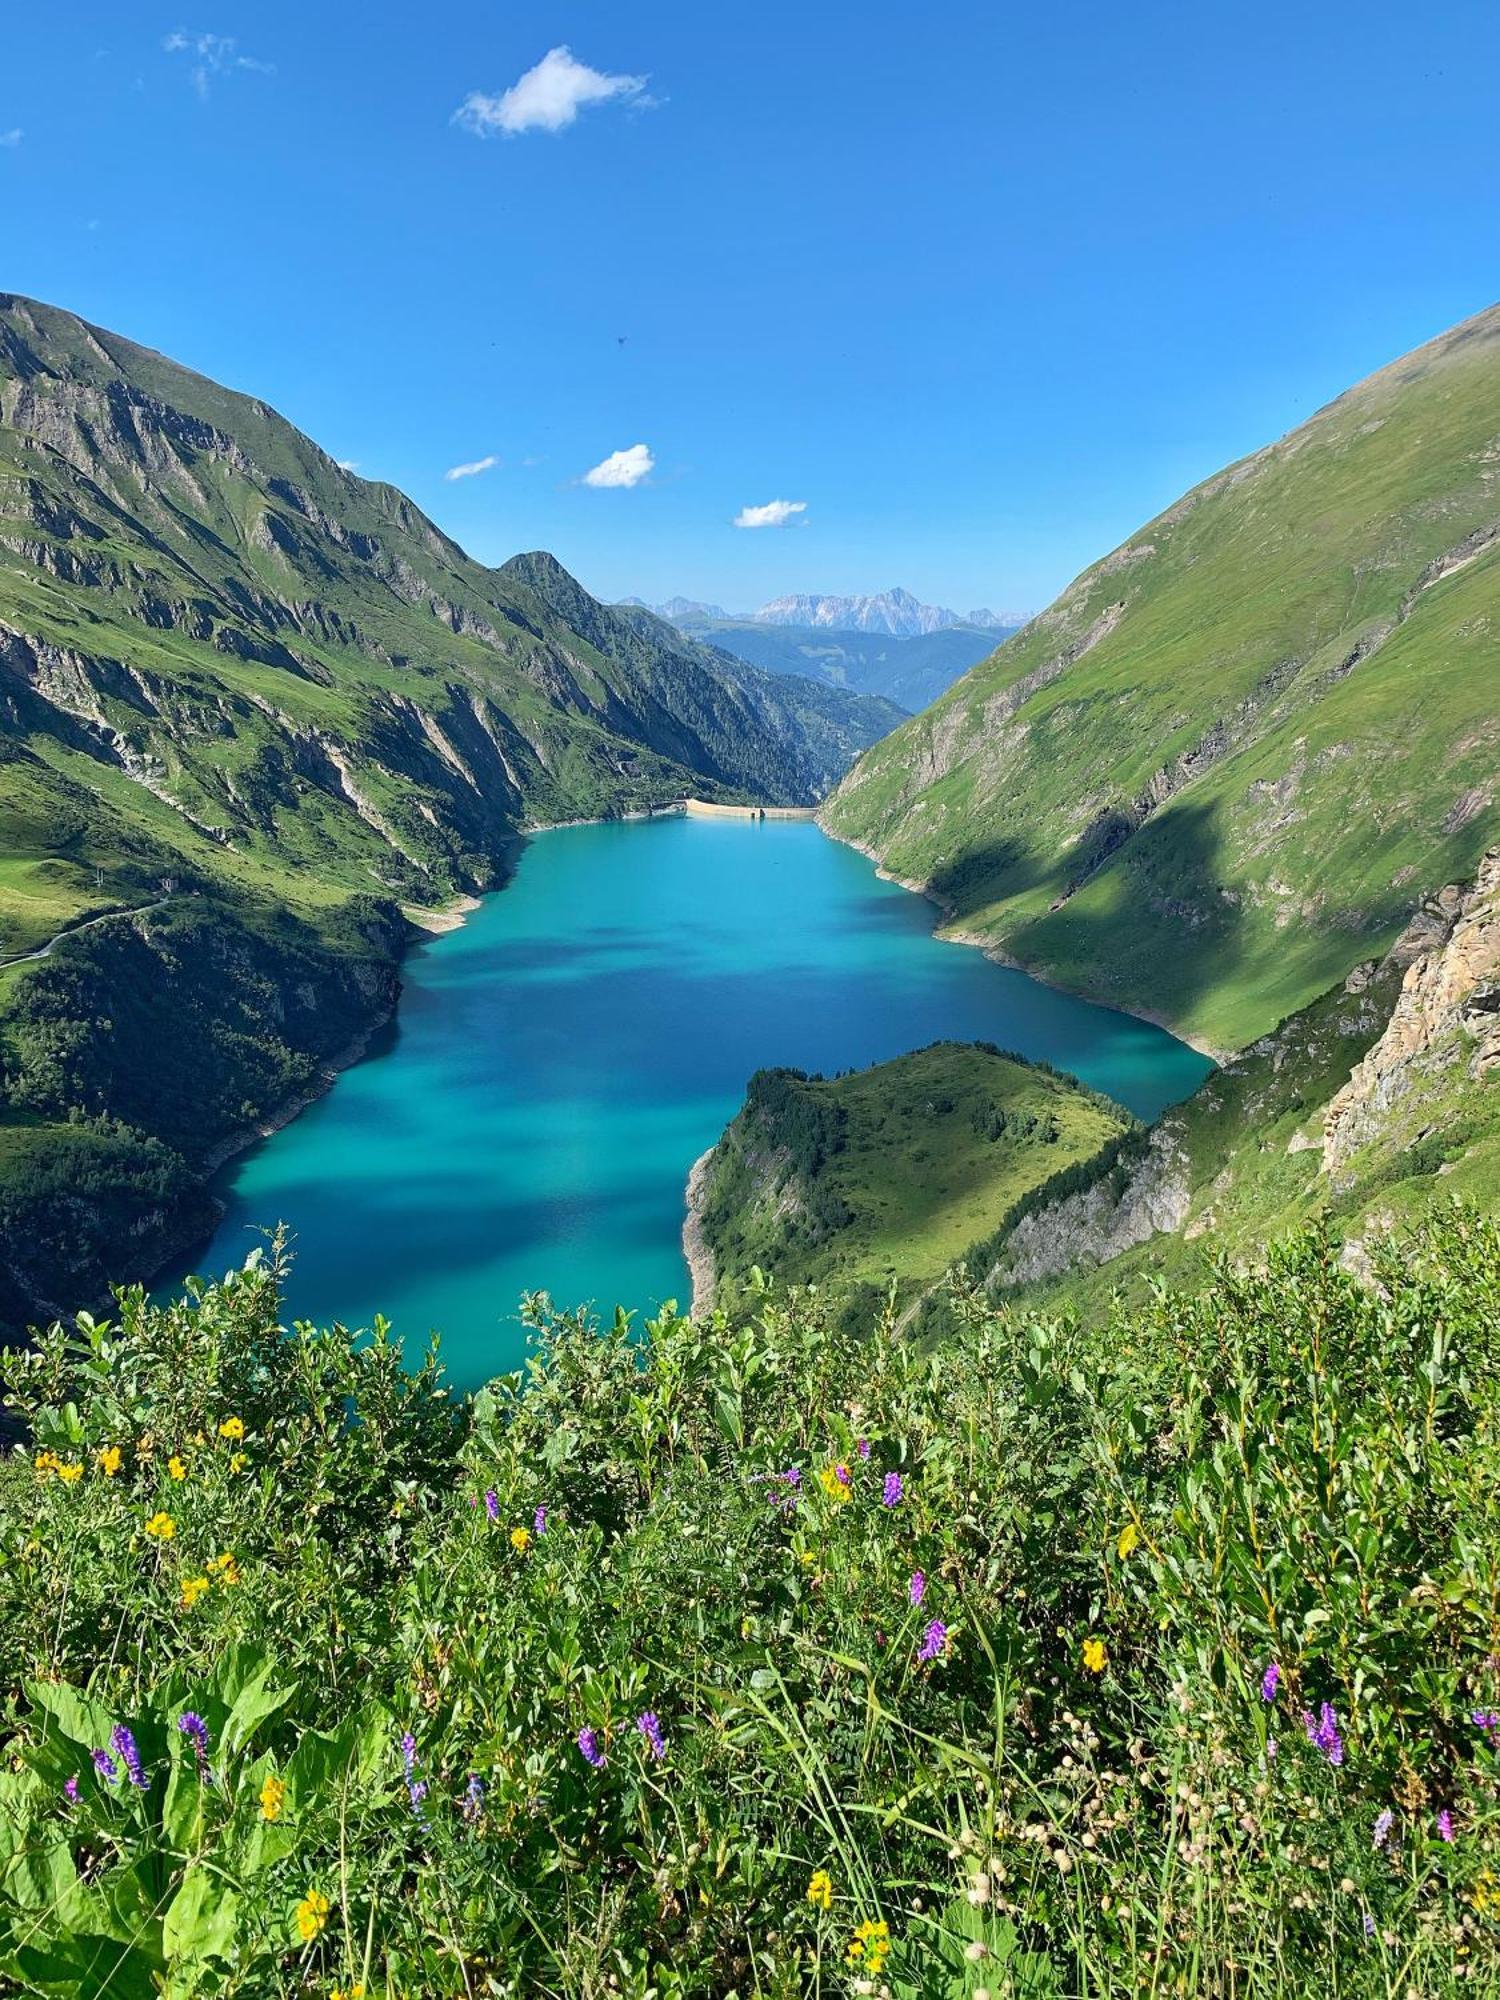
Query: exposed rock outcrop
(1448, 1011)
(1125, 1207)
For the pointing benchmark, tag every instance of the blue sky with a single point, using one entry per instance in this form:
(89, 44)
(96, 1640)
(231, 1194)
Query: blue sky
(982, 287)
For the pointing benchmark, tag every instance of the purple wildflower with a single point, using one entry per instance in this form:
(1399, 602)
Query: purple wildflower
(492, 1504)
(1271, 1748)
(1270, 1680)
(916, 1590)
(649, 1726)
(473, 1803)
(891, 1493)
(934, 1641)
(195, 1729)
(1445, 1826)
(1323, 1733)
(1381, 1832)
(793, 1476)
(539, 1521)
(588, 1748)
(842, 1474)
(106, 1766)
(863, 1447)
(124, 1743)
(1487, 1720)
(70, 1790)
(416, 1788)
(1369, 1925)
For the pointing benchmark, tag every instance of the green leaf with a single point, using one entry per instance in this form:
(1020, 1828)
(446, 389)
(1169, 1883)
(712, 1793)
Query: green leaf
(202, 1918)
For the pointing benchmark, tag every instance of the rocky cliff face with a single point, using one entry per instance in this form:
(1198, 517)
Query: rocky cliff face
(1126, 1207)
(1446, 1020)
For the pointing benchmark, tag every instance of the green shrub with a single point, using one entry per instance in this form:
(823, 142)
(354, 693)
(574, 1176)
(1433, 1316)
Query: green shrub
(1055, 1774)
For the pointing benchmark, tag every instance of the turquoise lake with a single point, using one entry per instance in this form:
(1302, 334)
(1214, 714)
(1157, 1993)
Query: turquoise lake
(558, 1063)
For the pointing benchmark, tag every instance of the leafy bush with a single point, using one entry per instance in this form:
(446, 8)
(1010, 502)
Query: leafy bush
(765, 1656)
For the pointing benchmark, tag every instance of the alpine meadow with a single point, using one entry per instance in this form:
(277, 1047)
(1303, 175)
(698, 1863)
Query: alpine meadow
(797, 1303)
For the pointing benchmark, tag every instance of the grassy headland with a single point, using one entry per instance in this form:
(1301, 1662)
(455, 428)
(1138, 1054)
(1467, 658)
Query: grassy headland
(879, 1180)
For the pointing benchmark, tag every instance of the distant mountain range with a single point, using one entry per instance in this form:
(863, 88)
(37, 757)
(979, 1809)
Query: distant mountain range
(887, 645)
(896, 613)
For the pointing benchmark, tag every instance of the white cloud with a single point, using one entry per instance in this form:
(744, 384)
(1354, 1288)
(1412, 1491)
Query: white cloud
(12, 137)
(214, 55)
(347, 464)
(471, 467)
(775, 514)
(622, 468)
(547, 98)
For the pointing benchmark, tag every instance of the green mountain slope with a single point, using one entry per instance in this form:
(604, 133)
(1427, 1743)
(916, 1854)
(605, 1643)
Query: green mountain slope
(888, 1175)
(1231, 758)
(248, 704)
(909, 671)
(208, 621)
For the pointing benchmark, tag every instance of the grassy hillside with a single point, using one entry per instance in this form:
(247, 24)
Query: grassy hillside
(887, 1176)
(1149, 1654)
(1225, 765)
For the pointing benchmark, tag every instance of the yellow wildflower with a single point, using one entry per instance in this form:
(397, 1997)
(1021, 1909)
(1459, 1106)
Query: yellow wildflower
(835, 1482)
(228, 1569)
(193, 1587)
(312, 1915)
(45, 1462)
(272, 1797)
(520, 1540)
(161, 1527)
(71, 1473)
(176, 1467)
(820, 1889)
(232, 1427)
(354, 1992)
(1094, 1656)
(1130, 1535)
(870, 1945)
(238, 1461)
(110, 1460)
(1485, 1895)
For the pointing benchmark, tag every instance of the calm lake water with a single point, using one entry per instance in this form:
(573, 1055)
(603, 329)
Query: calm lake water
(559, 1063)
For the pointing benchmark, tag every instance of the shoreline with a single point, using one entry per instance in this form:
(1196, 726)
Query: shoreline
(695, 1249)
(998, 955)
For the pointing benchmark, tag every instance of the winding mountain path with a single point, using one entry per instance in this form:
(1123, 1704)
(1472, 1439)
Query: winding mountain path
(72, 930)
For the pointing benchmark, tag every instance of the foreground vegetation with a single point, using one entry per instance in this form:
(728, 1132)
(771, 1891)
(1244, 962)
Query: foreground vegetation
(1147, 1654)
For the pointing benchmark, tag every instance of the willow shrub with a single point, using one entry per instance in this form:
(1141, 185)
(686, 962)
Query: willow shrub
(763, 1656)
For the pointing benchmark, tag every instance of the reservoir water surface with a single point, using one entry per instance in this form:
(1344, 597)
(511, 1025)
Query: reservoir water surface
(558, 1063)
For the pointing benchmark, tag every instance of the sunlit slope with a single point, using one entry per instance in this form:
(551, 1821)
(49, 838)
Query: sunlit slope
(1224, 766)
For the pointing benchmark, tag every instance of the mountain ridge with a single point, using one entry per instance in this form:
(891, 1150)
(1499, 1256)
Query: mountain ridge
(896, 613)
